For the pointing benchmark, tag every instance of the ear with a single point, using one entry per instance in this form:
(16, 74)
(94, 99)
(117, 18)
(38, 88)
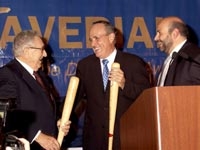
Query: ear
(25, 50)
(175, 33)
(111, 37)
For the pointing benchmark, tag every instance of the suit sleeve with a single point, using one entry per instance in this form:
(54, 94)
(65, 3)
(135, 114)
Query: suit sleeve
(137, 79)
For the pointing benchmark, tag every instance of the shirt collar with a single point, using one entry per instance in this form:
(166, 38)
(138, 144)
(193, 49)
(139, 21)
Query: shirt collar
(177, 48)
(110, 58)
(27, 67)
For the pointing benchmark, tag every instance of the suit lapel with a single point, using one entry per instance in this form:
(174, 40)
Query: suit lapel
(170, 74)
(98, 74)
(28, 79)
(169, 81)
(118, 56)
(21, 72)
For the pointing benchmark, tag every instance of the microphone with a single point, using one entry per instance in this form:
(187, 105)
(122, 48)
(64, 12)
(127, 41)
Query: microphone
(186, 56)
(174, 54)
(183, 55)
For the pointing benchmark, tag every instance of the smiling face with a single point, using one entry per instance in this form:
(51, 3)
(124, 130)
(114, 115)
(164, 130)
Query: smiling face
(34, 53)
(163, 38)
(102, 42)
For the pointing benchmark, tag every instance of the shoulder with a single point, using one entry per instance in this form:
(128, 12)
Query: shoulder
(7, 69)
(192, 51)
(13, 67)
(88, 60)
(129, 58)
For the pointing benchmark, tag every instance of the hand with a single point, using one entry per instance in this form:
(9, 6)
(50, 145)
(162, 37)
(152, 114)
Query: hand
(117, 75)
(47, 142)
(65, 128)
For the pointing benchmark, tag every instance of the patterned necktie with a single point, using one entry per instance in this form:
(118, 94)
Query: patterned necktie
(105, 72)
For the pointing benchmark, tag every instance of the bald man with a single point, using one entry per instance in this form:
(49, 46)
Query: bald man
(182, 65)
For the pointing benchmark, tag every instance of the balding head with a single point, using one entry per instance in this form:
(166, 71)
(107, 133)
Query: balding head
(172, 23)
(171, 31)
(172, 19)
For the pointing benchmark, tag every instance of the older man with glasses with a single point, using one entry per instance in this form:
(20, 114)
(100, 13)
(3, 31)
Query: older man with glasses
(22, 79)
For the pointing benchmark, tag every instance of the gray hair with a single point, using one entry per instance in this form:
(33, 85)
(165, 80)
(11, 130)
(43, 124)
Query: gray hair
(22, 39)
(109, 27)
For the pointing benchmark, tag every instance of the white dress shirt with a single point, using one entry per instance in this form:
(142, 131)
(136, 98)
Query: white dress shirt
(167, 63)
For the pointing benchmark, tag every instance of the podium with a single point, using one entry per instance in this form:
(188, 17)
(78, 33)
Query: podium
(163, 118)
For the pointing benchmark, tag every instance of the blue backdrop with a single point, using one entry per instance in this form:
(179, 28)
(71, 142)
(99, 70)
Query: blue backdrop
(65, 25)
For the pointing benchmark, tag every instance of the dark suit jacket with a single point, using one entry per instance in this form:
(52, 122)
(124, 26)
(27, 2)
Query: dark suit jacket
(33, 111)
(97, 109)
(185, 69)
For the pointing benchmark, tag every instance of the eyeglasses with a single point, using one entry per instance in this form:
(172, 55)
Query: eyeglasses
(43, 48)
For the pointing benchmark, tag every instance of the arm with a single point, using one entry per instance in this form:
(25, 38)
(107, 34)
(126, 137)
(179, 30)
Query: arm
(132, 78)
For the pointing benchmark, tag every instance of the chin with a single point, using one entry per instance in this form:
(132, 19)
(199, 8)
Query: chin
(97, 55)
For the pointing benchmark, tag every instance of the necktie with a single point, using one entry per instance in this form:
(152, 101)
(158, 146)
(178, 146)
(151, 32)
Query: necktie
(39, 80)
(41, 83)
(48, 93)
(163, 72)
(165, 68)
(169, 79)
(105, 72)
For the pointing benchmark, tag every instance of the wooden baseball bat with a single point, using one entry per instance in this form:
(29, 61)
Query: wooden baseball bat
(69, 101)
(114, 87)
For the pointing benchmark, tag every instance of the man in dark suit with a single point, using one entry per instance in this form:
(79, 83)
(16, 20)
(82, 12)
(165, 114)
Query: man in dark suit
(34, 116)
(182, 65)
(132, 78)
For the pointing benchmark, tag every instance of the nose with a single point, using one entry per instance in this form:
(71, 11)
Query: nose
(156, 37)
(93, 43)
(44, 54)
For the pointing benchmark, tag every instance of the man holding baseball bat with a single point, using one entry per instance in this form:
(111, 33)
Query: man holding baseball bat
(35, 114)
(132, 78)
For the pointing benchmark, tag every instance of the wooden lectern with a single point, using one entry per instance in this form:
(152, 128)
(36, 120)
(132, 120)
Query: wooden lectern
(163, 118)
